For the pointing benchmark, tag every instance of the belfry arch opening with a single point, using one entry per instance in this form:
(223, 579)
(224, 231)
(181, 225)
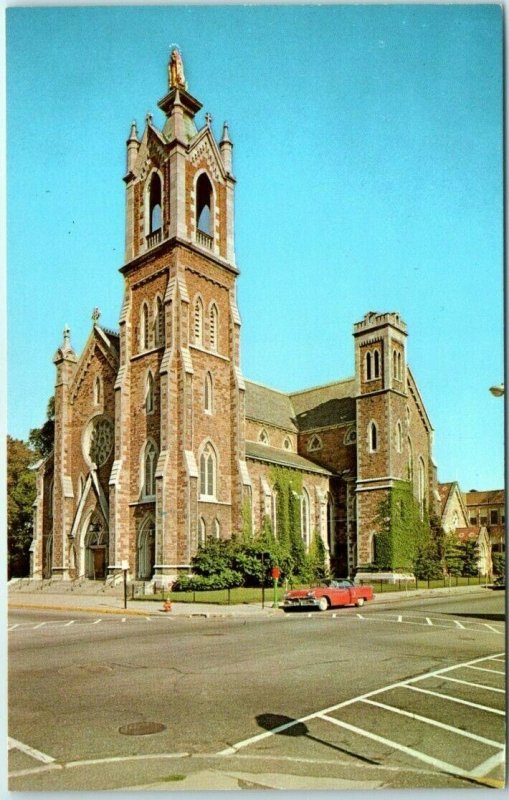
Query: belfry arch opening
(203, 204)
(155, 209)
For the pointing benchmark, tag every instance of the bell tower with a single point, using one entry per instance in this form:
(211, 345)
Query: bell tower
(179, 460)
(381, 398)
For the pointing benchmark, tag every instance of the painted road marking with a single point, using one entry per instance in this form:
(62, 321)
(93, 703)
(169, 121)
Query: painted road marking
(477, 774)
(435, 723)
(11, 627)
(66, 625)
(476, 685)
(459, 624)
(13, 744)
(429, 621)
(454, 699)
(400, 618)
(40, 625)
(493, 671)
(495, 630)
(434, 762)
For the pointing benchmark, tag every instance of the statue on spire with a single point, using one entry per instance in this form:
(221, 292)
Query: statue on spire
(176, 77)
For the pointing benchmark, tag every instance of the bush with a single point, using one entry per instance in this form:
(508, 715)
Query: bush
(227, 579)
(498, 564)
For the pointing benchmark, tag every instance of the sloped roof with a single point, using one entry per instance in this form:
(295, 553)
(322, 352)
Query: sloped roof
(284, 458)
(464, 534)
(489, 498)
(270, 406)
(444, 490)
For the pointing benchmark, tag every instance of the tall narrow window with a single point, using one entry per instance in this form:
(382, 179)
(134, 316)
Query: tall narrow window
(209, 397)
(159, 322)
(149, 394)
(203, 204)
(217, 529)
(264, 438)
(202, 531)
(198, 321)
(97, 391)
(155, 203)
(373, 437)
(368, 366)
(144, 327)
(400, 367)
(149, 470)
(213, 325)
(394, 364)
(399, 437)
(376, 360)
(410, 463)
(208, 472)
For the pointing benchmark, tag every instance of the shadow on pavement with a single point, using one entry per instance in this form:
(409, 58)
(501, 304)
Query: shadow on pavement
(492, 617)
(291, 727)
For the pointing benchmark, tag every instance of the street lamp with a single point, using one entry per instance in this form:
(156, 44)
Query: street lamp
(497, 391)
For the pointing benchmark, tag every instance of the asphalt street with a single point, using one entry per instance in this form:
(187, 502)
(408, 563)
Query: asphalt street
(403, 695)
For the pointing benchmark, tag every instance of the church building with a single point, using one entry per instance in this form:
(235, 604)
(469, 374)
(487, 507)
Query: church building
(160, 441)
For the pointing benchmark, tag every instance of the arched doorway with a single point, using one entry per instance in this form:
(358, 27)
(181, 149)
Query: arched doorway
(95, 546)
(146, 550)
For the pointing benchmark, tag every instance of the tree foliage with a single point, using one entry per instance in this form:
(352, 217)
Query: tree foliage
(21, 491)
(42, 439)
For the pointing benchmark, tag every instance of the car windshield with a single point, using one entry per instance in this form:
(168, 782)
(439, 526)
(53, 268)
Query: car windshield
(343, 584)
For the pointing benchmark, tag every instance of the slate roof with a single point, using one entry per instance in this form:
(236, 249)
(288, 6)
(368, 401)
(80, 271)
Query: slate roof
(270, 406)
(493, 497)
(284, 458)
(464, 534)
(322, 406)
(317, 407)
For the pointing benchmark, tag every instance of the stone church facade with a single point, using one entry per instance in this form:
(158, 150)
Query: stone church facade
(160, 442)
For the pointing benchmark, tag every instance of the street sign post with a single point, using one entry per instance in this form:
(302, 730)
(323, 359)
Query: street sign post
(276, 572)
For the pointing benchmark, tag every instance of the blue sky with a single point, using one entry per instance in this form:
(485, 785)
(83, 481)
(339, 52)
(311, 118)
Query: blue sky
(368, 155)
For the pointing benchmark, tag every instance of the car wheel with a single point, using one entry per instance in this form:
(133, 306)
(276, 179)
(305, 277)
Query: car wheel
(323, 603)
(360, 602)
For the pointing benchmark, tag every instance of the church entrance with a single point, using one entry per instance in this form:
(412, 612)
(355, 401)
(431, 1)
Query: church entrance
(96, 542)
(146, 550)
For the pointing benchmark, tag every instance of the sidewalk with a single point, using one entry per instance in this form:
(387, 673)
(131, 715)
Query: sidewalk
(114, 603)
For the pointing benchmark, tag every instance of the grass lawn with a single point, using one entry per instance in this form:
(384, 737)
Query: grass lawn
(242, 595)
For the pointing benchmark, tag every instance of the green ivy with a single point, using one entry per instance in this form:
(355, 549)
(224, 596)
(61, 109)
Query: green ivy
(288, 485)
(402, 534)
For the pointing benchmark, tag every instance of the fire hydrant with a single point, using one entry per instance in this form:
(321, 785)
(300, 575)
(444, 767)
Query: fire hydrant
(167, 605)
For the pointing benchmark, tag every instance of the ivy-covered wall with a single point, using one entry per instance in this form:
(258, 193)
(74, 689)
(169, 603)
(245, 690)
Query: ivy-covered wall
(402, 532)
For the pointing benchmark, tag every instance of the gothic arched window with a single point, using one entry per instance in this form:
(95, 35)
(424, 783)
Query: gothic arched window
(217, 529)
(155, 215)
(159, 322)
(202, 531)
(97, 391)
(209, 394)
(315, 443)
(213, 327)
(149, 394)
(373, 437)
(208, 472)
(198, 321)
(149, 470)
(368, 366)
(399, 437)
(203, 204)
(264, 437)
(144, 327)
(376, 360)
(394, 364)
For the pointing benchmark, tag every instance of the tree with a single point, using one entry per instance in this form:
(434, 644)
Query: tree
(21, 491)
(42, 439)
(453, 554)
(470, 553)
(317, 562)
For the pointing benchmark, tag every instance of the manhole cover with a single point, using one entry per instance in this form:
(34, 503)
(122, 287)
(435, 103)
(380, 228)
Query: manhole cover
(142, 728)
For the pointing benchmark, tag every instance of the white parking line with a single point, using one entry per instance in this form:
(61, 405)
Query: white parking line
(495, 630)
(69, 623)
(453, 699)
(39, 625)
(96, 621)
(493, 671)
(497, 659)
(11, 627)
(459, 624)
(29, 751)
(475, 685)
(400, 618)
(435, 723)
(490, 763)
(434, 762)
(429, 621)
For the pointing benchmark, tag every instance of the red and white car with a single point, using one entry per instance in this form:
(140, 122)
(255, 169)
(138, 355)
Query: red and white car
(336, 593)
